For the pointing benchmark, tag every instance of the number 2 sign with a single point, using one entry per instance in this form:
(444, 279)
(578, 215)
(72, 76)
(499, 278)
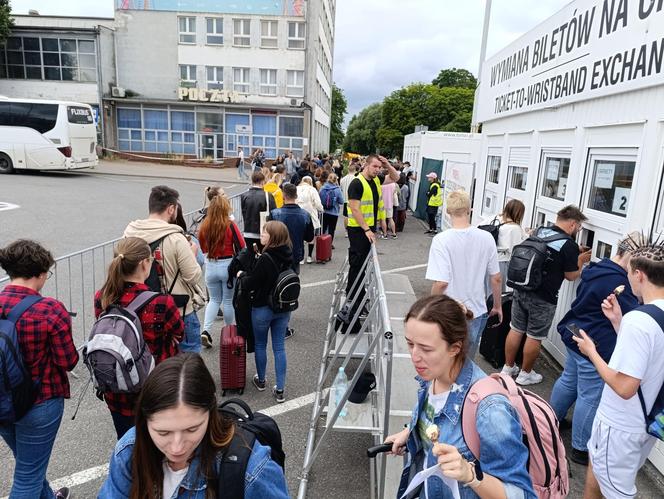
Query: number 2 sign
(621, 200)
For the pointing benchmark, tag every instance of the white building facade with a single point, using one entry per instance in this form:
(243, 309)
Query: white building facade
(573, 113)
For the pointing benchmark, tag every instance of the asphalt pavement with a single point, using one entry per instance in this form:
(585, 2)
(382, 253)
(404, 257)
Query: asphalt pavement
(70, 211)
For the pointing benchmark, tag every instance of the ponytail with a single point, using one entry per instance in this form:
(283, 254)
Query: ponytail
(127, 255)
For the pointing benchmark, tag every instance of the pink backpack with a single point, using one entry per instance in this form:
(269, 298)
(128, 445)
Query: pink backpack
(547, 465)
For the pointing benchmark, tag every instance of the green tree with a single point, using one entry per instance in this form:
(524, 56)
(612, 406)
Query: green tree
(339, 106)
(460, 78)
(361, 132)
(6, 21)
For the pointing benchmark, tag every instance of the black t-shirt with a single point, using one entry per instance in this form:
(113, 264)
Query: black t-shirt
(356, 189)
(564, 258)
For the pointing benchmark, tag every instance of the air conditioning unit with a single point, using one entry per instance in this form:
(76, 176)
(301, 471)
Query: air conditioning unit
(296, 102)
(117, 91)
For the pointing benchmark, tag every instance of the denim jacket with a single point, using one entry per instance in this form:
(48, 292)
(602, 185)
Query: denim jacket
(264, 477)
(504, 455)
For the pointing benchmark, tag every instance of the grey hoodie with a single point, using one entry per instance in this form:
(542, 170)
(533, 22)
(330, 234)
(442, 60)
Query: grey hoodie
(176, 254)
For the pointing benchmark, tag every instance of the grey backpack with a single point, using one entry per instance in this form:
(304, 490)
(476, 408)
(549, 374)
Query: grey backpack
(116, 355)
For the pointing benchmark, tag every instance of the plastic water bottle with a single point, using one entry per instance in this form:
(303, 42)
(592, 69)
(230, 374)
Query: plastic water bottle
(339, 387)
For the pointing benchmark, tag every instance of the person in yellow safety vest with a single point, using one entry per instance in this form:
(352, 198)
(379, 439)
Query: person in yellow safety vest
(435, 195)
(365, 210)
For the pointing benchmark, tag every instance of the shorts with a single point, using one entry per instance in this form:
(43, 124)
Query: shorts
(616, 457)
(389, 213)
(531, 315)
(346, 210)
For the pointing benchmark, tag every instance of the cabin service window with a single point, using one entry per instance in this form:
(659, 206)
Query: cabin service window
(556, 173)
(518, 177)
(611, 186)
(493, 169)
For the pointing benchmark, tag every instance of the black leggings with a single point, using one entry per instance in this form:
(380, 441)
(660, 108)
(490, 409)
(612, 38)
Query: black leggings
(330, 224)
(432, 211)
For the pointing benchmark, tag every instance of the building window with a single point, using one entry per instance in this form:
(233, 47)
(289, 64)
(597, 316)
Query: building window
(242, 32)
(241, 80)
(611, 186)
(215, 30)
(188, 75)
(215, 77)
(269, 34)
(556, 173)
(518, 177)
(295, 35)
(187, 28)
(493, 169)
(49, 59)
(295, 83)
(268, 82)
(291, 126)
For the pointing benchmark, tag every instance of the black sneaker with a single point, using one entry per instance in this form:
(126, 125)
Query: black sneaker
(206, 339)
(278, 395)
(220, 312)
(260, 385)
(565, 424)
(289, 332)
(579, 456)
(62, 493)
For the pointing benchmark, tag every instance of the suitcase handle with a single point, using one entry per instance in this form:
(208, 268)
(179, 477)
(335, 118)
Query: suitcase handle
(240, 403)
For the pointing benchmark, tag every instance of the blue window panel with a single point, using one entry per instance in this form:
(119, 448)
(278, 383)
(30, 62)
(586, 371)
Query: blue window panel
(270, 142)
(163, 147)
(136, 135)
(189, 149)
(264, 125)
(183, 120)
(236, 119)
(162, 136)
(136, 146)
(150, 135)
(284, 142)
(176, 137)
(129, 118)
(270, 153)
(123, 134)
(150, 147)
(189, 137)
(243, 140)
(124, 145)
(157, 120)
(297, 143)
(176, 148)
(257, 141)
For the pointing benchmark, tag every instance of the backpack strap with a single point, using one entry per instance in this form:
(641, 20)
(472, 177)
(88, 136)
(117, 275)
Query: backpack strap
(657, 315)
(552, 238)
(141, 300)
(234, 462)
(21, 307)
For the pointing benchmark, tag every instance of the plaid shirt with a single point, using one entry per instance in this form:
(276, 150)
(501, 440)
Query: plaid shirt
(45, 341)
(163, 329)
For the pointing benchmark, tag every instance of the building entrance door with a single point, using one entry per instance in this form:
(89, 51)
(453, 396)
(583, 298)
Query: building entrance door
(211, 145)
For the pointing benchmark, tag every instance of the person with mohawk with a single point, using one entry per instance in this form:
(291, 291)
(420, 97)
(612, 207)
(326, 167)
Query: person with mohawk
(621, 441)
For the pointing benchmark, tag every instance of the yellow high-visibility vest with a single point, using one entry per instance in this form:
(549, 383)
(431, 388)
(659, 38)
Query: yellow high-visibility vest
(436, 199)
(367, 204)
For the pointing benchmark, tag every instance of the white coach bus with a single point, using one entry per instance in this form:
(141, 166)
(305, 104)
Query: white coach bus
(46, 135)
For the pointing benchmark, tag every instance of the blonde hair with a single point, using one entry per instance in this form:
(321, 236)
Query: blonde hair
(458, 203)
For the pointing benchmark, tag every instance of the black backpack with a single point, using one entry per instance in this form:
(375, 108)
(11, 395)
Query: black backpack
(492, 228)
(249, 427)
(155, 280)
(284, 296)
(528, 265)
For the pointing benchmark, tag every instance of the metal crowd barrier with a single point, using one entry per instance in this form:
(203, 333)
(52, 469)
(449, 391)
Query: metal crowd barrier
(371, 346)
(78, 275)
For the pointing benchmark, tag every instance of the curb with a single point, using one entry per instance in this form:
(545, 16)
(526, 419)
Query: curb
(170, 177)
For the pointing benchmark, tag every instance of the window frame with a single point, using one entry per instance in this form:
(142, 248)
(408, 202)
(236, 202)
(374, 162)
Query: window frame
(272, 36)
(188, 82)
(299, 37)
(244, 22)
(609, 155)
(243, 83)
(268, 87)
(289, 86)
(216, 23)
(216, 83)
(187, 32)
(561, 156)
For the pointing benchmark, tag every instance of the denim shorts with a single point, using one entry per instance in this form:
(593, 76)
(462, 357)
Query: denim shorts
(531, 315)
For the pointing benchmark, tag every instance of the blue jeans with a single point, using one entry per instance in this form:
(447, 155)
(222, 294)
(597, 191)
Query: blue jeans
(241, 171)
(578, 383)
(192, 334)
(262, 320)
(31, 441)
(475, 328)
(216, 278)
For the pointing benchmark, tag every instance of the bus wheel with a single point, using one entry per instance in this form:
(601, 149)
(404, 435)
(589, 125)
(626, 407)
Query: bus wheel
(6, 165)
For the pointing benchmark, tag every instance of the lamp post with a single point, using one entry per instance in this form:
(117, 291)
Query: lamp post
(474, 127)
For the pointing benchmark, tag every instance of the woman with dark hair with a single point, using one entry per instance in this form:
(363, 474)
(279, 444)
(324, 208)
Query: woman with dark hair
(160, 318)
(276, 257)
(220, 239)
(175, 449)
(437, 338)
(47, 349)
(180, 221)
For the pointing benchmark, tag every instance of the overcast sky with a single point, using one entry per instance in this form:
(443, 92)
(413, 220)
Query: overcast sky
(382, 45)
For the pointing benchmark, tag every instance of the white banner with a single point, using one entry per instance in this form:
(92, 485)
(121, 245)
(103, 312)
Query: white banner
(458, 177)
(589, 49)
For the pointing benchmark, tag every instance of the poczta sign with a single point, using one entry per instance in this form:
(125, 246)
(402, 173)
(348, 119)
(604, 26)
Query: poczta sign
(590, 49)
(201, 95)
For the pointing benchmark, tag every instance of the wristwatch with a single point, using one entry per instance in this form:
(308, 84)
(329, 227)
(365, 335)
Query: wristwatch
(478, 475)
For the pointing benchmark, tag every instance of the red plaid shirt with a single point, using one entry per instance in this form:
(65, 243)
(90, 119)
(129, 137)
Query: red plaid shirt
(163, 329)
(45, 341)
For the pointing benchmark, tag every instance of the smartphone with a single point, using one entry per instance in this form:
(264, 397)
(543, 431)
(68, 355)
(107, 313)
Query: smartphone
(574, 329)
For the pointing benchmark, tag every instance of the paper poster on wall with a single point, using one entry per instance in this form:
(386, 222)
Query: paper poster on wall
(604, 175)
(553, 168)
(562, 188)
(621, 200)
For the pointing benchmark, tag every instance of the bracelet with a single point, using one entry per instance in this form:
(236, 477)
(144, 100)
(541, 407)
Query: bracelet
(367, 230)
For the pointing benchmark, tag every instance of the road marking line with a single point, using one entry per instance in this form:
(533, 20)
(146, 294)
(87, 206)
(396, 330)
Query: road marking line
(96, 472)
(391, 271)
(8, 206)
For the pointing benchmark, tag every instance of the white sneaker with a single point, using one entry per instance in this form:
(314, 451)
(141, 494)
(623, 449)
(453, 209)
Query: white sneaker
(510, 371)
(309, 260)
(531, 378)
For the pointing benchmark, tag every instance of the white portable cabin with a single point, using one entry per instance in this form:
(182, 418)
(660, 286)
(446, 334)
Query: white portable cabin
(573, 113)
(462, 149)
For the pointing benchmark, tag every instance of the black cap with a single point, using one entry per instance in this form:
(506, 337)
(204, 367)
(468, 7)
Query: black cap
(364, 385)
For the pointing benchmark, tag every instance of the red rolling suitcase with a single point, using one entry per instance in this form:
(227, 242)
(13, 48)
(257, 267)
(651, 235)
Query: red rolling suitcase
(323, 248)
(232, 361)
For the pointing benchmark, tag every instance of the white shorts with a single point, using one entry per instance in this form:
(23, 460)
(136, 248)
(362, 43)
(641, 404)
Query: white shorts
(616, 457)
